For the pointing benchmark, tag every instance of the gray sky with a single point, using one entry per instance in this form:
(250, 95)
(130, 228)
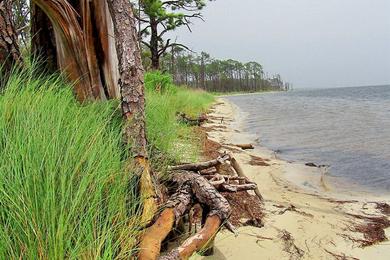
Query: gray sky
(311, 43)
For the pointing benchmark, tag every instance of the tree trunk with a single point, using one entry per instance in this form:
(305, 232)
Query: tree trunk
(85, 48)
(43, 46)
(131, 83)
(154, 44)
(9, 49)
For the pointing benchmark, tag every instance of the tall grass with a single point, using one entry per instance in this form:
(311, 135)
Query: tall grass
(63, 190)
(163, 100)
(64, 193)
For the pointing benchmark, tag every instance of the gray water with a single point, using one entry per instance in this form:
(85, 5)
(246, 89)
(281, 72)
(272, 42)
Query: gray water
(346, 128)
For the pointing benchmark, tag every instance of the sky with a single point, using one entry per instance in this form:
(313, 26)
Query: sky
(311, 43)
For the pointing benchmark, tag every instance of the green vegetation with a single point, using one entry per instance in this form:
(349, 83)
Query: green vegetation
(64, 192)
(163, 101)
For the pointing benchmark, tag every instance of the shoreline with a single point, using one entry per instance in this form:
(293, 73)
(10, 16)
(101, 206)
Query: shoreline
(319, 180)
(300, 222)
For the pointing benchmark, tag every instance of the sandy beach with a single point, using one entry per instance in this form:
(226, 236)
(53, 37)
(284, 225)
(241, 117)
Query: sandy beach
(305, 215)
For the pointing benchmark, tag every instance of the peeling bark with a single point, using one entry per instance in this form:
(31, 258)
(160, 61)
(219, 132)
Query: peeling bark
(84, 44)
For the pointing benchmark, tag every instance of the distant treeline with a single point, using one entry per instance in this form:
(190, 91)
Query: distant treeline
(203, 71)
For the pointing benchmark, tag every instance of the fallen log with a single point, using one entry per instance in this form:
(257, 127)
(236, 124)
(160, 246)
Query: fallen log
(192, 189)
(200, 166)
(245, 146)
(236, 166)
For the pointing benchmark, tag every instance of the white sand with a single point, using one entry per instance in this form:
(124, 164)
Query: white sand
(319, 227)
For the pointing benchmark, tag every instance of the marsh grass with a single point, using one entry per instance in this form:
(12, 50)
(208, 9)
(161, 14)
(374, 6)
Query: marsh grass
(64, 193)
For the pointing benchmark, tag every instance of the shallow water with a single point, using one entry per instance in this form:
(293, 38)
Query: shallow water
(346, 128)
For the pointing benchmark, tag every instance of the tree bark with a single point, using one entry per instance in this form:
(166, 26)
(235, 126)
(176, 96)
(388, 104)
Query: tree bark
(43, 45)
(131, 84)
(9, 49)
(155, 57)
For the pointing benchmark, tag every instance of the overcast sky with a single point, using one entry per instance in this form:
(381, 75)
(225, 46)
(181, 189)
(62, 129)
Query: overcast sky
(311, 43)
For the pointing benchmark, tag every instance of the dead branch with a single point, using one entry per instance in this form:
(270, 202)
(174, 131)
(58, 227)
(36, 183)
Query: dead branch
(241, 173)
(200, 166)
(183, 118)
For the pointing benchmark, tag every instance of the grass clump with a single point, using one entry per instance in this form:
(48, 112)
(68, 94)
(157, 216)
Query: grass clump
(64, 193)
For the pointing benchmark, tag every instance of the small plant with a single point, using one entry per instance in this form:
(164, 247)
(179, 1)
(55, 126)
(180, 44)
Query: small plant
(159, 82)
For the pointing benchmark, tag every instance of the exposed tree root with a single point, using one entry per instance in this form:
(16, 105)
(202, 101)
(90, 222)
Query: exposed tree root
(192, 189)
(192, 184)
(147, 190)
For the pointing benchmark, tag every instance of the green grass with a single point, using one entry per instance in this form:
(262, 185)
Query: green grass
(63, 189)
(175, 141)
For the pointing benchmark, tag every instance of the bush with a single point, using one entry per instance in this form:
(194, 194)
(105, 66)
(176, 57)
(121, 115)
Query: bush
(159, 82)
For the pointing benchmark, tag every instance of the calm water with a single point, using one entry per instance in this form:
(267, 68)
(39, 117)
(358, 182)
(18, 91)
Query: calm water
(346, 128)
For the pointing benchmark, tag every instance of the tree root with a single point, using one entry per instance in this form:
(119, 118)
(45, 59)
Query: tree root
(193, 189)
(195, 184)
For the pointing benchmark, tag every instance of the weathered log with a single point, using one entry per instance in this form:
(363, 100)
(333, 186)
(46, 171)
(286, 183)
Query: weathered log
(239, 187)
(245, 146)
(193, 189)
(236, 166)
(200, 166)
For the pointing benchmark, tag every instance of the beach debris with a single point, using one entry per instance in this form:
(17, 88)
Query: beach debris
(383, 207)
(289, 245)
(236, 166)
(372, 228)
(310, 164)
(258, 161)
(245, 146)
(185, 119)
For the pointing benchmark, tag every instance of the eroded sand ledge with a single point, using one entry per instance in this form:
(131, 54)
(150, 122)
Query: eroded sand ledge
(299, 222)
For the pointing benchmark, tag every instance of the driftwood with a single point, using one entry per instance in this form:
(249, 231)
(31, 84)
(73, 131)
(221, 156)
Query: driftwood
(183, 118)
(200, 166)
(241, 173)
(195, 184)
(245, 146)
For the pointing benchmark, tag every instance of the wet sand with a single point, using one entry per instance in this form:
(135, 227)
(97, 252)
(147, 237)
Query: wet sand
(305, 215)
